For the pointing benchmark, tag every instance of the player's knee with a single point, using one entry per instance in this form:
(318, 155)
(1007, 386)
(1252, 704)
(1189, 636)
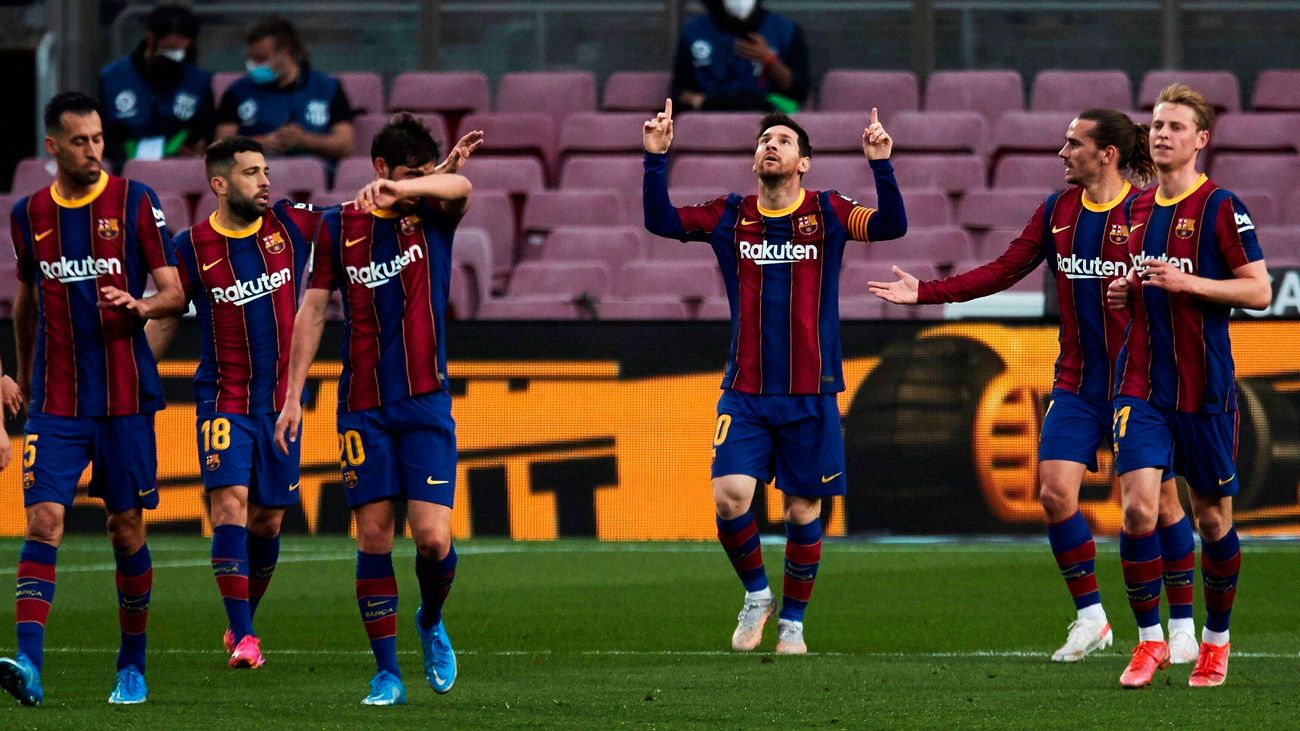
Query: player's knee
(1058, 501)
(45, 525)
(1140, 517)
(374, 538)
(126, 531)
(265, 523)
(229, 507)
(435, 545)
(1212, 525)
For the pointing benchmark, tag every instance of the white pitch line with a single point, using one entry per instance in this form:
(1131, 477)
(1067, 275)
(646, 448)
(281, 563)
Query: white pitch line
(968, 654)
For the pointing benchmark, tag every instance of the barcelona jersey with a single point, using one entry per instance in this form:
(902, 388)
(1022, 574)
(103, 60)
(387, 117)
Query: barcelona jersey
(394, 271)
(90, 361)
(244, 285)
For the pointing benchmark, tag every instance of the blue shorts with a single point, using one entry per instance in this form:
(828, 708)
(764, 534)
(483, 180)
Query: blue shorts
(796, 438)
(239, 449)
(1201, 447)
(1074, 428)
(402, 450)
(57, 449)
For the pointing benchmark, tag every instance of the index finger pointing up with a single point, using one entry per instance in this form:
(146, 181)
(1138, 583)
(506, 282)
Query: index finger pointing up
(668, 108)
(875, 117)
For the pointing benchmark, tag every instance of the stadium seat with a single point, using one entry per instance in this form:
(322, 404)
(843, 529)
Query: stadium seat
(851, 90)
(181, 175)
(549, 210)
(989, 93)
(691, 195)
(528, 308)
(365, 90)
(8, 276)
(602, 172)
(722, 174)
(1030, 171)
(460, 295)
(297, 177)
(714, 308)
(661, 249)
(352, 174)
(926, 207)
(1280, 174)
(953, 174)
(1291, 215)
(472, 257)
(943, 132)
(1037, 132)
(643, 308)
(636, 91)
(6, 207)
(595, 132)
(331, 198)
(834, 132)
(175, 208)
(31, 174)
(608, 245)
(519, 176)
(854, 278)
(1262, 205)
(716, 132)
(458, 92)
(570, 280)
(685, 280)
(990, 244)
(1281, 244)
(515, 133)
(557, 93)
(221, 81)
(1258, 133)
(1075, 91)
(941, 247)
(1276, 90)
(366, 126)
(494, 213)
(998, 208)
(862, 307)
(1219, 87)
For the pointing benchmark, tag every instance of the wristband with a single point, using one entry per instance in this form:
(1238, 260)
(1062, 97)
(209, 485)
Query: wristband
(770, 60)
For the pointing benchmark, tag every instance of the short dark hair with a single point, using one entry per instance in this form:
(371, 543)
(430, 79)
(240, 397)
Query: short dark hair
(165, 20)
(784, 120)
(285, 35)
(220, 155)
(404, 141)
(73, 102)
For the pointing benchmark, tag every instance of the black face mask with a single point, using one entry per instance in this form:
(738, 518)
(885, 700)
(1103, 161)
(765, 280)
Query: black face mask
(164, 73)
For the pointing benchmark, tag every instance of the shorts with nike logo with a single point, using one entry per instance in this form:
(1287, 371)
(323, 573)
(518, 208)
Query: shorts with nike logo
(1200, 446)
(403, 450)
(56, 450)
(239, 449)
(795, 437)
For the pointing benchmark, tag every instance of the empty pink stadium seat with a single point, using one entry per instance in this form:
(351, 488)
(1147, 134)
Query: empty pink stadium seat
(1291, 211)
(714, 308)
(1220, 88)
(572, 280)
(515, 133)
(297, 177)
(602, 172)
(725, 174)
(175, 208)
(691, 195)
(528, 308)
(352, 174)
(990, 93)
(366, 126)
(848, 90)
(643, 308)
(445, 91)
(460, 296)
(661, 249)
(636, 91)
(926, 207)
(854, 278)
(1075, 91)
(608, 245)
(1280, 174)
(1262, 133)
(557, 93)
(834, 132)
(596, 132)
(365, 90)
(1262, 205)
(471, 255)
(862, 307)
(941, 247)
(990, 244)
(716, 132)
(8, 276)
(221, 81)
(849, 174)
(1031, 132)
(6, 207)
(959, 132)
(520, 176)
(1030, 171)
(329, 199)
(1276, 90)
(549, 210)
(31, 174)
(686, 280)
(953, 174)
(180, 175)
(494, 213)
(1281, 244)
(998, 208)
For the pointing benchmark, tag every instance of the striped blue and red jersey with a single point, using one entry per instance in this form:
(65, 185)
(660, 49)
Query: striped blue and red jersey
(782, 274)
(394, 271)
(1177, 354)
(89, 361)
(244, 285)
(1085, 245)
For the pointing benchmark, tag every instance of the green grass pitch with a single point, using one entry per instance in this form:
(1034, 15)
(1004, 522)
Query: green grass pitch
(579, 634)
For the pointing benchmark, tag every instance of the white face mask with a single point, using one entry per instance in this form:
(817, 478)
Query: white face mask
(173, 54)
(739, 8)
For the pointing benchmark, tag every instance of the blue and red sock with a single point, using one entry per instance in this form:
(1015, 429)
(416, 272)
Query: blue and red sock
(377, 600)
(1076, 556)
(263, 553)
(134, 585)
(1178, 550)
(739, 538)
(803, 555)
(34, 596)
(1220, 565)
(1143, 572)
(230, 566)
(435, 576)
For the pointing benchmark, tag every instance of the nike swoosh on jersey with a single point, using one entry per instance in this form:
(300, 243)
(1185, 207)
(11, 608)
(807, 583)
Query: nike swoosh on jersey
(211, 264)
(1227, 479)
(432, 481)
(40, 236)
(1136, 226)
(747, 222)
(143, 493)
(1056, 230)
(294, 486)
(826, 479)
(354, 242)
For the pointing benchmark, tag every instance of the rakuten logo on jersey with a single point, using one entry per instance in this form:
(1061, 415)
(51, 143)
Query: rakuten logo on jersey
(769, 253)
(1183, 263)
(67, 270)
(241, 293)
(1074, 267)
(377, 273)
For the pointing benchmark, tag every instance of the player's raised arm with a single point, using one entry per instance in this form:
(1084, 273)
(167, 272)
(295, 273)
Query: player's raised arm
(465, 147)
(890, 218)
(308, 326)
(690, 223)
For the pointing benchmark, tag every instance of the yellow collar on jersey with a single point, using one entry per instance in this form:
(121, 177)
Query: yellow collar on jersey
(231, 233)
(784, 211)
(1162, 201)
(384, 213)
(1103, 207)
(83, 200)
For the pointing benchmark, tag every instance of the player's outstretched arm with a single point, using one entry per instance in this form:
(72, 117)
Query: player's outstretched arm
(307, 329)
(1249, 288)
(901, 292)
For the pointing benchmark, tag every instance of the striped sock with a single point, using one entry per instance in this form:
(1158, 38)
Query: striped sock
(739, 538)
(1143, 570)
(435, 578)
(134, 585)
(1178, 549)
(230, 565)
(803, 554)
(1220, 564)
(263, 553)
(35, 594)
(377, 600)
(1076, 556)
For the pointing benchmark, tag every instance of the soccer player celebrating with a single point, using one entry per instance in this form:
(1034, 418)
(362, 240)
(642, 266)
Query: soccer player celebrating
(1195, 250)
(85, 247)
(241, 267)
(1082, 235)
(389, 253)
(780, 253)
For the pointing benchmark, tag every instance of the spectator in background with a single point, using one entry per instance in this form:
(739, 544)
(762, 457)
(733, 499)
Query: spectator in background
(740, 57)
(156, 102)
(282, 102)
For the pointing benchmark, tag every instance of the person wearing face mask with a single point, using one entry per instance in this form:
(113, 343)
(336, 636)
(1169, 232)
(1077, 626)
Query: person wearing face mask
(156, 102)
(282, 102)
(739, 56)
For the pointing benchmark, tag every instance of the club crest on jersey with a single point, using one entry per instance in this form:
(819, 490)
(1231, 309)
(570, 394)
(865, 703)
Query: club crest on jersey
(212, 462)
(1118, 234)
(408, 224)
(273, 242)
(108, 228)
(806, 225)
(1185, 228)
(350, 478)
(29, 479)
